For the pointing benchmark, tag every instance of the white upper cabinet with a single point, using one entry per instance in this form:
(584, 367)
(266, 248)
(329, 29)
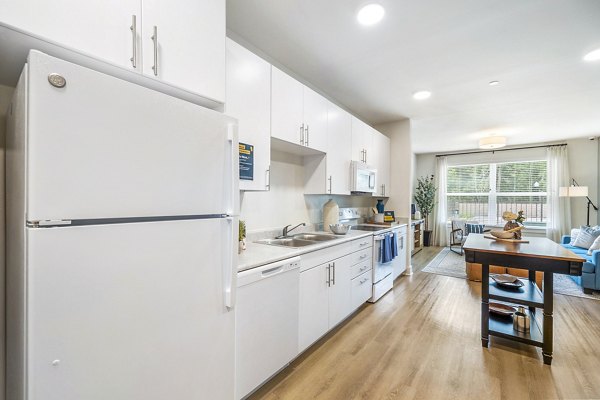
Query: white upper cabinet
(101, 29)
(188, 51)
(249, 100)
(315, 120)
(362, 141)
(339, 150)
(287, 110)
(184, 44)
(298, 114)
(381, 160)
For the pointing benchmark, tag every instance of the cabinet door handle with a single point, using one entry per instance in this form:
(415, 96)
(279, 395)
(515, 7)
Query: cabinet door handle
(133, 29)
(365, 155)
(328, 281)
(333, 281)
(302, 134)
(268, 185)
(307, 135)
(155, 40)
(330, 184)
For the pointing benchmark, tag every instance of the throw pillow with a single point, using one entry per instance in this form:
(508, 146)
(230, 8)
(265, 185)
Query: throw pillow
(574, 234)
(586, 237)
(594, 246)
(474, 228)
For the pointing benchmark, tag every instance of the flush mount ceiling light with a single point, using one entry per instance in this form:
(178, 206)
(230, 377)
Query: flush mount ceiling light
(592, 55)
(370, 14)
(422, 95)
(492, 142)
(494, 83)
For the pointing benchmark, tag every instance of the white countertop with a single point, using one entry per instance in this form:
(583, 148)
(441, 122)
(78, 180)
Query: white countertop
(257, 254)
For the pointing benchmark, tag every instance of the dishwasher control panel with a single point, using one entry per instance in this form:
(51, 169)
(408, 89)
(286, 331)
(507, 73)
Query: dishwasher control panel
(268, 270)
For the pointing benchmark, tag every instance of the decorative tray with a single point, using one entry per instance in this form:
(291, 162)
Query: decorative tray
(507, 280)
(502, 309)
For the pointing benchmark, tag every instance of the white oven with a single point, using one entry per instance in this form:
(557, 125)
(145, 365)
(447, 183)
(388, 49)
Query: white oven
(363, 178)
(382, 268)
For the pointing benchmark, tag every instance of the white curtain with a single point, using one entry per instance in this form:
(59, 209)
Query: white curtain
(558, 208)
(440, 219)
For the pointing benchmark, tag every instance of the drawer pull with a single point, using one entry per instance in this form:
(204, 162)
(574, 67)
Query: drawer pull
(363, 280)
(364, 243)
(363, 256)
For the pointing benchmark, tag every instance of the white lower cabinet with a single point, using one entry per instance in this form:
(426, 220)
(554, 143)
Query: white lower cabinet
(326, 294)
(362, 287)
(314, 305)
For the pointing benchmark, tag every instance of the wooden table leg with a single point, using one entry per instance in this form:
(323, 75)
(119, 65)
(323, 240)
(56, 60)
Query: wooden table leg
(485, 306)
(532, 279)
(548, 318)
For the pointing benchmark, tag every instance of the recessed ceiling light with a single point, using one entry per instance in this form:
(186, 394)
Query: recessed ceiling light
(592, 55)
(422, 95)
(370, 14)
(494, 83)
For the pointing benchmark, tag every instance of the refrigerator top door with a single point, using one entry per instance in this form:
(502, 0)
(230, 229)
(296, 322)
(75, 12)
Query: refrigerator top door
(101, 147)
(131, 311)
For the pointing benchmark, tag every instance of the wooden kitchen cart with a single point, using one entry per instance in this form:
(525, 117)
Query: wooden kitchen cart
(540, 254)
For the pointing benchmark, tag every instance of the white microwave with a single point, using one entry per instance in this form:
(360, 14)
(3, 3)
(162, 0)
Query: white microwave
(363, 178)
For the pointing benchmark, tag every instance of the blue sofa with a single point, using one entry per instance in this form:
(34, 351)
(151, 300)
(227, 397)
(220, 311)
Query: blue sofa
(590, 277)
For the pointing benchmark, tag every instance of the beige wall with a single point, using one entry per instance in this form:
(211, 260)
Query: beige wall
(5, 97)
(286, 202)
(584, 165)
(402, 161)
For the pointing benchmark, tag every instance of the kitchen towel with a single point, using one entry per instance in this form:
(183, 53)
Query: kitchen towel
(394, 245)
(386, 245)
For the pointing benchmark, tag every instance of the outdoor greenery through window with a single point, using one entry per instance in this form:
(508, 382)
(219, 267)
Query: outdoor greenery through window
(483, 192)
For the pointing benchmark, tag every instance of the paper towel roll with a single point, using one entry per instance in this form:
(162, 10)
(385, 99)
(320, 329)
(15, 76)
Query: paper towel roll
(331, 214)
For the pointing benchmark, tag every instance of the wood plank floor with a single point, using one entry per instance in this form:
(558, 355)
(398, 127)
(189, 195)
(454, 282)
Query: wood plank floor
(422, 341)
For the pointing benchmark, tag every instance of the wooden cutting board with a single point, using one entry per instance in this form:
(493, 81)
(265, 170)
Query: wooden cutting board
(506, 240)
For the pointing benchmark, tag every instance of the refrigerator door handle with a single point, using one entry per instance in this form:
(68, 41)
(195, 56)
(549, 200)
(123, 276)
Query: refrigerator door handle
(230, 266)
(234, 174)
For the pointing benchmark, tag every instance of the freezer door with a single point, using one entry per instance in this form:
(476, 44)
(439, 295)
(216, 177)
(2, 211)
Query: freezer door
(131, 311)
(101, 147)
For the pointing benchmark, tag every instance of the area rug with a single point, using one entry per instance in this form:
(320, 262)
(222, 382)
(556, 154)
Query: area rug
(451, 264)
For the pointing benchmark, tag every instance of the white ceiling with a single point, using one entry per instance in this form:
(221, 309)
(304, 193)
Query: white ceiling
(450, 47)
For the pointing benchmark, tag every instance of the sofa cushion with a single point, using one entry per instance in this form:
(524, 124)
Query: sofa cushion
(594, 246)
(589, 268)
(586, 237)
(574, 234)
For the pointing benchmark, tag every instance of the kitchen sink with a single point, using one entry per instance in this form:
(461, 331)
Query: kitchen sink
(316, 237)
(287, 242)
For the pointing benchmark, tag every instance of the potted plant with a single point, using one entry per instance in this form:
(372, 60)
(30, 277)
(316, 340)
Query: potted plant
(425, 199)
(242, 237)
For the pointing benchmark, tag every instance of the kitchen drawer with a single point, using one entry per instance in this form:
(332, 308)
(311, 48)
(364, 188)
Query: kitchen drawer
(361, 256)
(361, 267)
(362, 287)
(361, 244)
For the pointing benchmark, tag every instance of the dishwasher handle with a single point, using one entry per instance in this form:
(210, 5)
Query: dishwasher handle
(267, 271)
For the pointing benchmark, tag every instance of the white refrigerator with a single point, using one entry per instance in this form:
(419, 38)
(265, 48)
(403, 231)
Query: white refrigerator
(122, 226)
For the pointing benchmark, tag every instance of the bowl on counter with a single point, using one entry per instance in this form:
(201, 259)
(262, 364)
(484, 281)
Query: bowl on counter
(339, 229)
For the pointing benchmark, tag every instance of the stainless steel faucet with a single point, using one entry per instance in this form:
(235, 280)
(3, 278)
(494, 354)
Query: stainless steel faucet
(286, 230)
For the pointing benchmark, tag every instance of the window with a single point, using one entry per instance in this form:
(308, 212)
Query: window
(483, 192)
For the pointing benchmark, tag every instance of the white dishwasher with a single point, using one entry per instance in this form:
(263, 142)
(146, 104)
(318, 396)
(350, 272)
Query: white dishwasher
(266, 322)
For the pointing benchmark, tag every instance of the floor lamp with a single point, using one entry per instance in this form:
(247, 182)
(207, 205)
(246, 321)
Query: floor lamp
(578, 191)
